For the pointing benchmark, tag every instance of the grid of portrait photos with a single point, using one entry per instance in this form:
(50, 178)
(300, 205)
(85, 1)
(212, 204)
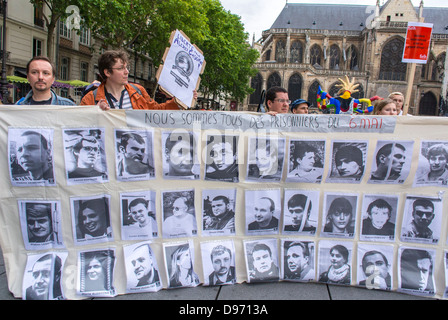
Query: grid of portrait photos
(292, 233)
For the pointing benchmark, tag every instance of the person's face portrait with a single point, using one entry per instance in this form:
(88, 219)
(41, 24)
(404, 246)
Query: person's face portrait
(180, 158)
(94, 270)
(184, 260)
(398, 160)
(135, 151)
(340, 220)
(423, 216)
(424, 266)
(262, 211)
(296, 260)
(347, 167)
(88, 154)
(40, 75)
(39, 226)
(118, 74)
(265, 160)
(307, 162)
(375, 264)
(296, 215)
(301, 109)
(30, 153)
(437, 163)
(280, 103)
(389, 110)
(222, 155)
(336, 259)
(379, 216)
(219, 207)
(399, 101)
(262, 260)
(221, 263)
(180, 208)
(139, 213)
(42, 278)
(92, 221)
(142, 262)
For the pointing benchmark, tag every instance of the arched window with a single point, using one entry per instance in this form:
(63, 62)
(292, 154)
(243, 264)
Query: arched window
(296, 54)
(267, 55)
(256, 84)
(335, 57)
(428, 104)
(295, 87)
(274, 80)
(391, 67)
(316, 56)
(280, 51)
(312, 93)
(352, 58)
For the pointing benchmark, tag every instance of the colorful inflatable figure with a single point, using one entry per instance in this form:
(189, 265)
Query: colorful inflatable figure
(344, 103)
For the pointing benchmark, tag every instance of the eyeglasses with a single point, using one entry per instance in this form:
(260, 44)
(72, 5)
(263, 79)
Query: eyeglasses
(283, 101)
(89, 149)
(423, 213)
(122, 68)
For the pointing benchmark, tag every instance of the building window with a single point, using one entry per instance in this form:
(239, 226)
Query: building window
(391, 67)
(256, 84)
(65, 67)
(280, 51)
(295, 87)
(274, 80)
(312, 94)
(63, 30)
(39, 15)
(84, 71)
(428, 105)
(335, 57)
(316, 56)
(296, 52)
(352, 56)
(37, 47)
(84, 36)
(267, 55)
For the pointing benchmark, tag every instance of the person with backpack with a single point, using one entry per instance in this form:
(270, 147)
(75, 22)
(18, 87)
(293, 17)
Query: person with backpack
(116, 92)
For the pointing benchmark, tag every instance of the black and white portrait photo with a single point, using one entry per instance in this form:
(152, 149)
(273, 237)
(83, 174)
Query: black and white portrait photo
(261, 260)
(85, 155)
(180, 155)
(42, 279)
(339, 215)
(142, 272)
(31, 157)
(91, 219)
(378, 217)
(179, 215)
(179, 263)
(432, 164)
(41, 224)
(138, 215)
(298, 260)
(134, 158)
(335, 262)
(218, 212)
(392, 162)
(218, 262)
(348, 161)
(416, 271)
(221, 158)
(422, 219)
(96, 273)
(300, 212)
(263, 209)
(375, 266)
(445, 265)
(265, 158)
(306, 161)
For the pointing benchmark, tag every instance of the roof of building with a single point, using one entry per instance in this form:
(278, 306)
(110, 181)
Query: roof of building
(343, 17)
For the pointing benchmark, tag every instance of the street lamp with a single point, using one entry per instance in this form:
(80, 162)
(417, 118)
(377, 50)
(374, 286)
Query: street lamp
(4, 81)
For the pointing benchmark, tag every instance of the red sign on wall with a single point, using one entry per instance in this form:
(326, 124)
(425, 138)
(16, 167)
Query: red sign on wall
(418, 39)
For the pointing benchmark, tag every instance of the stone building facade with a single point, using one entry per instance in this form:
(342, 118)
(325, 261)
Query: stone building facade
(312, 45)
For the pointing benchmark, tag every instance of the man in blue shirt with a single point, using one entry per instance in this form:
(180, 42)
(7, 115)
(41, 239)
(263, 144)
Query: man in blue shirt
(41, 75)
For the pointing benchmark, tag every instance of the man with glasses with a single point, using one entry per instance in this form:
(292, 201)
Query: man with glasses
(422, 216)
(86, 152)
(277, 100)
(116, 92)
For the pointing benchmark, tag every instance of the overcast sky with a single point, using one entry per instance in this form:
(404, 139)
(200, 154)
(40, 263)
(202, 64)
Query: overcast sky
(259, 15)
